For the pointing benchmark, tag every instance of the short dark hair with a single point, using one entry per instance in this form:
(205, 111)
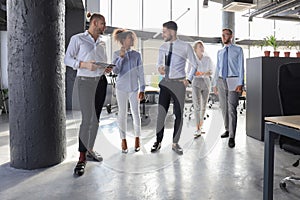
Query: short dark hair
(228, 29)
(170, 25)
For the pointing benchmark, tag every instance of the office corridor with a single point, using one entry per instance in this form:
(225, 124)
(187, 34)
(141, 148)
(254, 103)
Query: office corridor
(208, 168)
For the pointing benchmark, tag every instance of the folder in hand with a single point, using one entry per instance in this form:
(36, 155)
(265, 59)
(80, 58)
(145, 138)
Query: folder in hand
(232, 83)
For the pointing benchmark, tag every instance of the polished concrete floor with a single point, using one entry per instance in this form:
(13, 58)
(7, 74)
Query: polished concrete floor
(208, 169)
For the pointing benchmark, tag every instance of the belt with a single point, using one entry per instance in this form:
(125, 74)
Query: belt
(174, 79)
(228, 77)
(96, 78)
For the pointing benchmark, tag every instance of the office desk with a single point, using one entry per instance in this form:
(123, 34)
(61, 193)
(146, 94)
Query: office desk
(284, 125)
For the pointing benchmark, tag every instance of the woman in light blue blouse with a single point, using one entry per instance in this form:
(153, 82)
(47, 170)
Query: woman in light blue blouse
(201, 85)
(130, 84)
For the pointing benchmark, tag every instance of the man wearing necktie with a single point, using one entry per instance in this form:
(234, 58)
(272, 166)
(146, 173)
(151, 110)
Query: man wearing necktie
(172, 58)
(228, 83)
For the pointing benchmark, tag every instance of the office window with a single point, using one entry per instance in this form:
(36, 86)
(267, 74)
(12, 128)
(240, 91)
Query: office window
(286, 30)
(156, 12)
(186, 19)
(260, 28)
(210, 20)
(126, 14)
(241, 26)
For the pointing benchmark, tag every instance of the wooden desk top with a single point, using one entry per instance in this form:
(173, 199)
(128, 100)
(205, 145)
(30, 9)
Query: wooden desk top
(291, 121)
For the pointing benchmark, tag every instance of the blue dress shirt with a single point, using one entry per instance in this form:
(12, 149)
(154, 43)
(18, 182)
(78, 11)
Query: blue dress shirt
(235, 64)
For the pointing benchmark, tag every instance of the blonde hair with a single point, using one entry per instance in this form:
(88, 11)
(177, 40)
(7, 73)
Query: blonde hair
(198, 42)
(120, 35)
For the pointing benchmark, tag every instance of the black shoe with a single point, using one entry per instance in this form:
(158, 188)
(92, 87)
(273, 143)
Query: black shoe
(225, 135)
(231, 142)
(80, 167)
(156, 147)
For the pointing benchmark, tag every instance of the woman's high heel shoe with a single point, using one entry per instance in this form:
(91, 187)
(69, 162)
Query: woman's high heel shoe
(124, 146)
(137, 144)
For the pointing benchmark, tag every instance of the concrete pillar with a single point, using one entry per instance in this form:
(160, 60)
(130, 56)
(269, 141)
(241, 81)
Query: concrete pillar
(75, 23)
(36, 34)
(228, 21)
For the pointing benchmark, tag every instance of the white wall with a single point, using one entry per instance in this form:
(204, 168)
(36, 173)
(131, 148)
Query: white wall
(3, 56)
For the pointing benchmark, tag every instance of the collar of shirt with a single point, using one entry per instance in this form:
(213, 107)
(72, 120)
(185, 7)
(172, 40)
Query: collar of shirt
(86, 33)
(230, 45)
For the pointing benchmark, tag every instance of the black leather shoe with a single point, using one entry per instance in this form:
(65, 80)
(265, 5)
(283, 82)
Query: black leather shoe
(156, 147)
(231, 142)
(225, 135)
(80, 167)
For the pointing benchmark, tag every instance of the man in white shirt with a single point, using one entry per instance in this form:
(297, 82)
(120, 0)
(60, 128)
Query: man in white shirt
(84, 50)
(172, 59)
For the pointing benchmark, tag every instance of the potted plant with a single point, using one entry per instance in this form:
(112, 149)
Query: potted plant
(261, 44)
(298, 50)
(272, 41)
(289, 45)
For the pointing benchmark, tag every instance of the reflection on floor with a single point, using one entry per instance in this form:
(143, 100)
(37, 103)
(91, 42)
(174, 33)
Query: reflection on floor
(208, 169)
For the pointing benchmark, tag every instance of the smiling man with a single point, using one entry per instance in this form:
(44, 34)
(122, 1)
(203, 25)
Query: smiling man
(172, 59)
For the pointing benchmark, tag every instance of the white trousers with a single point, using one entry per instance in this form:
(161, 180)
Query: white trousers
(122, 99)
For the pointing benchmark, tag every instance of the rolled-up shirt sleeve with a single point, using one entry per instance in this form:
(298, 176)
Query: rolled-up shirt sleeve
(71, 54)
(118, 61)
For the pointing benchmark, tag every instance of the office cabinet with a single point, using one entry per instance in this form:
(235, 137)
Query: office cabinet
(262, 93)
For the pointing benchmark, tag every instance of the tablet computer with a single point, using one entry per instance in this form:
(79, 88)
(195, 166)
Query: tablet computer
(105, 65)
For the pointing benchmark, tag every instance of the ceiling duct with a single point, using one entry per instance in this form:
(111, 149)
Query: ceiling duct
(237, 5)
(288, 9)
(276, 6)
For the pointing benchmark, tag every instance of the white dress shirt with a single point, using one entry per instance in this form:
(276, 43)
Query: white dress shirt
(181, 54)
(83, 47)
(204, 64)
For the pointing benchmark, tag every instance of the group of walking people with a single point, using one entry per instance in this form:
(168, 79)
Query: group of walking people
(86, 53)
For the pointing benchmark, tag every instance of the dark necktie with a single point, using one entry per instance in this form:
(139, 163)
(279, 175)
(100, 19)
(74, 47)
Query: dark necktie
(168, 61)
(225, 64)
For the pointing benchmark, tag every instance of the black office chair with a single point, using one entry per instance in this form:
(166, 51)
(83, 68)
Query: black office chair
(289, 98)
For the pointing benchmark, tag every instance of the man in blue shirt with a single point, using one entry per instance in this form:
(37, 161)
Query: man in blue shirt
(228, 83)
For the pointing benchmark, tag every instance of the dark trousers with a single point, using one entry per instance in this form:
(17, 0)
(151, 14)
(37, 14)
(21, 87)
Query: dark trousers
(170, 90)
(99, 99)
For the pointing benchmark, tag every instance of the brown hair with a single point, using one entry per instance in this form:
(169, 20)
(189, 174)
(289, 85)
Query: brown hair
(227, 29)
(120, 35)
(95, 16)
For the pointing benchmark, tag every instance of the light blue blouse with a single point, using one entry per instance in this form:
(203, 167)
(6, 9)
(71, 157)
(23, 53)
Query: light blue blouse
(130, 71)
